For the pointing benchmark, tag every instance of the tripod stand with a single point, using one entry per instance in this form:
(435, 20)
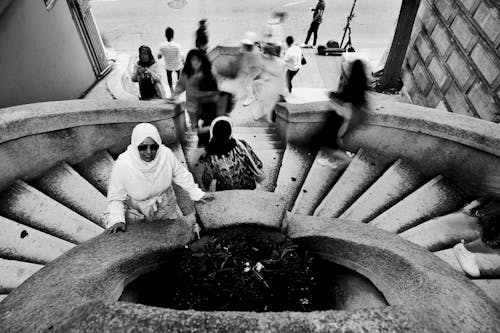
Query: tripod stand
(347, 30)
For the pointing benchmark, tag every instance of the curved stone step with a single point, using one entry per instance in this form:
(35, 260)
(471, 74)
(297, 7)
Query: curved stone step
(396, 183)
(22, 202)
(2, 296)
(325, 170)
(272, 160)
(183, 200)
(363, 170)
(437, 197)
(20, 242)
(13, 273)
(63, 184)
(295, 166)
(444, 232)
(97, 170)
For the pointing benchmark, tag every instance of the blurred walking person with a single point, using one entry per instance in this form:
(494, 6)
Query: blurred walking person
(293, 57)
(269, 88)
(171, 52)
(273, 35)
(316, 21)
(199, 83)
(201, 42)
(250, 65)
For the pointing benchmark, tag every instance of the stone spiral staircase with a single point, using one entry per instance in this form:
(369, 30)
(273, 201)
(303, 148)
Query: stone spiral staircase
(42, 218)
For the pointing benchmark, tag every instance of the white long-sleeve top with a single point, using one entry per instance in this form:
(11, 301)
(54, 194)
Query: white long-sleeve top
(130, 189)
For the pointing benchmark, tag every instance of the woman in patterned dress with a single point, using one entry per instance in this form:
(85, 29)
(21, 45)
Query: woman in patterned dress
(226, 161)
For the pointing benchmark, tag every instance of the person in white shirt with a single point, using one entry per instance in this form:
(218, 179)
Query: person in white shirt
(293, 57)
(174, 58)
(140, 187)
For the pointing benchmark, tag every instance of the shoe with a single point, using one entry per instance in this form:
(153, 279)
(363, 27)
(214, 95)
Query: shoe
(248, 101)
(467, 260)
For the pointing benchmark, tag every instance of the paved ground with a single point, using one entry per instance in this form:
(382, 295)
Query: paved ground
(129, 23)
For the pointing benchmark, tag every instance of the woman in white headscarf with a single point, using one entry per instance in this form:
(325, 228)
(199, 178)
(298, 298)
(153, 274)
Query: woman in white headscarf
(140, 187)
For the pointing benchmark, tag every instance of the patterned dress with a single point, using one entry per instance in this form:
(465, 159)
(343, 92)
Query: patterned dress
(232, 170)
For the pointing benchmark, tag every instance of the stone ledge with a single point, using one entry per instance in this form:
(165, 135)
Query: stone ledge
(95, 270)
(30, 119)
(469, 131)
(443, 299)
(242, 207)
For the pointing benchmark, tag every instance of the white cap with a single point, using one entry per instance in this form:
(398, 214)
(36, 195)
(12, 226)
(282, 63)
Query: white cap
(250, 38)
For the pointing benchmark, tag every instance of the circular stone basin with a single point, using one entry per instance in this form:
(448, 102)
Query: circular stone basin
(251, 268)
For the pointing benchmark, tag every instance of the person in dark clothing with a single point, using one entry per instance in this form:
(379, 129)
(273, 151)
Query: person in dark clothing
(201, 41)
(316, 21)
(147, 73)
(349, 104)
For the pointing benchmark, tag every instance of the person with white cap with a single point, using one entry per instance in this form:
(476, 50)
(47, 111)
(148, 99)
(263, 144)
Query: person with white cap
(250, 65)
(228, 163)
(140, 187)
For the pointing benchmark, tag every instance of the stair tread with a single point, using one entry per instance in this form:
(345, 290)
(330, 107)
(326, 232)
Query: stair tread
(97, 170)
(448, 256)
(296, 164)
(444, 232)
(20, 242)
(63, 184)
(435, 198)
(14, 272)
(325, 170)
(360, 174)
(395, 183)
(22, 202)
(183, 200)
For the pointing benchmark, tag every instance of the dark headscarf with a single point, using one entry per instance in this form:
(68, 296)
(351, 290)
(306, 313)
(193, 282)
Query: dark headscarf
(150, 54)
(221, 137)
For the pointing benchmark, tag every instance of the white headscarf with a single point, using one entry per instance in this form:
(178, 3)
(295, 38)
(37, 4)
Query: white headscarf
(221, 118)
(139, 134)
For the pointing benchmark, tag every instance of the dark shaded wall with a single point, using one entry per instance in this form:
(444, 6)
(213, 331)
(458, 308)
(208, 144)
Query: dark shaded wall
(43, 56)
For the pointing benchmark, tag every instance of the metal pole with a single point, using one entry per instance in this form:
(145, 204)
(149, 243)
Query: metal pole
(347, 26)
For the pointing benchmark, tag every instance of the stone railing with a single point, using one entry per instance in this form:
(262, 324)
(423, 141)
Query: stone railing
(464, 149)
(35, 137)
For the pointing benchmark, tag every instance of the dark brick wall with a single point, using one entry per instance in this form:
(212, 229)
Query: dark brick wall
(453, 60)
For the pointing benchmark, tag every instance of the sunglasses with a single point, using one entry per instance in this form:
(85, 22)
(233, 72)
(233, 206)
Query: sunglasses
(145, 147)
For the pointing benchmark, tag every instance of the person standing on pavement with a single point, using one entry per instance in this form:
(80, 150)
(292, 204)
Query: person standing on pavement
(316, 21)
(174, 59)
(201, 42)
(293, 56)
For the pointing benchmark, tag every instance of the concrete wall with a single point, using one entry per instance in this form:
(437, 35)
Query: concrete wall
(453, 60)
(43, 56)
(464, 149)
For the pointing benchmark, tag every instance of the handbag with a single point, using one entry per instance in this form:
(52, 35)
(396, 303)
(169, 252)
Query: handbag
(259, 174)
(303, 61)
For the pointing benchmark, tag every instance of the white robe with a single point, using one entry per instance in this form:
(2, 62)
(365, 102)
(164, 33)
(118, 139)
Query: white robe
(140, 190)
